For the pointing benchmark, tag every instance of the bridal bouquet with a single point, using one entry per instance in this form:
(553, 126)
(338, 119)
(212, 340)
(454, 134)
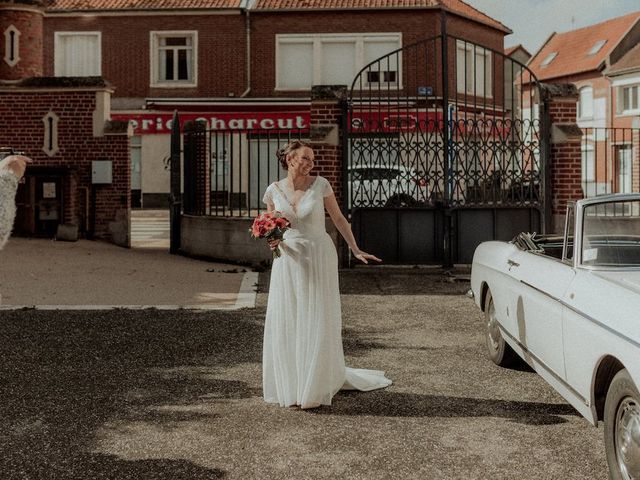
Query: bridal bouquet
(270, 226)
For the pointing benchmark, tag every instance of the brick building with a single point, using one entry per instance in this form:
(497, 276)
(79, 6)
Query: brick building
(600, 61)
(237, 64)
(64, 125)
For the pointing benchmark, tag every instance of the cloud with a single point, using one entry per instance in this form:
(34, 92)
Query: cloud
(532, 21)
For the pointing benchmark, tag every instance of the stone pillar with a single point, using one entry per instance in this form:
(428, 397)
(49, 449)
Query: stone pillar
(326, 133)
(197, 182)
(564, 180)
(21, 32)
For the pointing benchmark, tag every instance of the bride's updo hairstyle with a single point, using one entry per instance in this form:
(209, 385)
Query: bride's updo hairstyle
(286, 151)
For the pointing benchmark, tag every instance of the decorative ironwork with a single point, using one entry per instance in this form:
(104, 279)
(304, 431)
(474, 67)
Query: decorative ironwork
(417, 140)
(443, 135)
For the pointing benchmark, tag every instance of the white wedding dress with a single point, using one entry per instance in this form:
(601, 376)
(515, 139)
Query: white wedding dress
(303, 361)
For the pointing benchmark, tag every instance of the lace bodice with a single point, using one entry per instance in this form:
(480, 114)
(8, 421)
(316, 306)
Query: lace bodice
(307, 213)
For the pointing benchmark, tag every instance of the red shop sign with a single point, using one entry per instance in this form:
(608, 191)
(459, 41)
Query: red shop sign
(160, 123)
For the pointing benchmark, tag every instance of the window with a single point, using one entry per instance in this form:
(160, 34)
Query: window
(585, 105)
(473, 69)
(174, 58)
(589, 187)
(77, 54)
(596, 48)
(334, 59)
(628, 99)
(11, 46)
(549, 59)
(625, 156)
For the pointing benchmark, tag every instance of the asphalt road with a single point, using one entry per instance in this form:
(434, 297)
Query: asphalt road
(177, 396)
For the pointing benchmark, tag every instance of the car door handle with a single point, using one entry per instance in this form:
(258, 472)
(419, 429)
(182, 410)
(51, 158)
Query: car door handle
(512, 263)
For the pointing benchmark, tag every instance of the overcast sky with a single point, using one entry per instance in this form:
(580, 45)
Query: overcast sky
(532, 21)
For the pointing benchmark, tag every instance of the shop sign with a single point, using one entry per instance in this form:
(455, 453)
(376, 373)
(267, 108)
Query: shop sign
(160, 123)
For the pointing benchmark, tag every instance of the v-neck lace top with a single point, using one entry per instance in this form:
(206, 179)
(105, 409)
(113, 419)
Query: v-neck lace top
(307, 214)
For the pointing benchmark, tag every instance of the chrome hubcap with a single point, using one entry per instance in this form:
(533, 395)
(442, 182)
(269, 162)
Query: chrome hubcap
(627, 438)
(492, 328)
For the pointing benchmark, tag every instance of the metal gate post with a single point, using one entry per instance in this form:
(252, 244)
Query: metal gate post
(175, 197)
(447, 257)
(346, 191)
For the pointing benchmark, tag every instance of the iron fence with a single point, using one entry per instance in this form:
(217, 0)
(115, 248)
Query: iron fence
(444, 121)
(610, 160)
(234, 169)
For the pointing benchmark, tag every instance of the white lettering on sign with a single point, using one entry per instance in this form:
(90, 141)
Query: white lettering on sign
(154, 123)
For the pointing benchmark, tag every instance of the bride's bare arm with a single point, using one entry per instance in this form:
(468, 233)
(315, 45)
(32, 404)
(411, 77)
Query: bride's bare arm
(344, 227)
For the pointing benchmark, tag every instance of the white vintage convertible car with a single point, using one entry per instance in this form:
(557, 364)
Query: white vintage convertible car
(570, 307)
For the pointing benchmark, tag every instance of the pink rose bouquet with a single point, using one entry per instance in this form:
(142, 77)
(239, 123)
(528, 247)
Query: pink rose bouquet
(270, 226)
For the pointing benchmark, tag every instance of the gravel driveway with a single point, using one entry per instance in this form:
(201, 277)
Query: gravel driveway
(177, 395)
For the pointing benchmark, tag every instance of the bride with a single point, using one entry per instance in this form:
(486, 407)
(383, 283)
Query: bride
(303, 361)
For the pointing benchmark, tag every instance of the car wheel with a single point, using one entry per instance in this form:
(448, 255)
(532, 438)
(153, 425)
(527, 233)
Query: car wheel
(622, 428)
(500, 352)
(401, 201)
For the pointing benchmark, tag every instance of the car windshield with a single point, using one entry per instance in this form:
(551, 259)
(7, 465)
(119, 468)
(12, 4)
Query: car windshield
(611, 234)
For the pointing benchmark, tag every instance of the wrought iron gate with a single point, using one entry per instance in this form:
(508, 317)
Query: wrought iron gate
(443, 150)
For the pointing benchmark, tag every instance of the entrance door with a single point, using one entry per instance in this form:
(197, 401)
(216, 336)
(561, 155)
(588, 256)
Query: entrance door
(25, 207)
(48, 204)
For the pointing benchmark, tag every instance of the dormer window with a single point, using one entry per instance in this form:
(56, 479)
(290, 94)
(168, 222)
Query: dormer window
(549, 59)
(597, 47)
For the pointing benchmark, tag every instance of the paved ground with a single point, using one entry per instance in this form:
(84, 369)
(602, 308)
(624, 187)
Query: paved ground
(177, 396)
(91, 273)
(150, 229)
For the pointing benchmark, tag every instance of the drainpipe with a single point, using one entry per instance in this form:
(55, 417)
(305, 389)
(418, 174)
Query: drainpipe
(248, 48)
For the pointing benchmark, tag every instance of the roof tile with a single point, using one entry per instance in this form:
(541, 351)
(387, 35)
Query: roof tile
(573, 48)
(65, 5)
(456, 6)
(630, 61)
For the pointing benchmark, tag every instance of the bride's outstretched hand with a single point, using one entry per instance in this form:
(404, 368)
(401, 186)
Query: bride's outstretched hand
(364, 257)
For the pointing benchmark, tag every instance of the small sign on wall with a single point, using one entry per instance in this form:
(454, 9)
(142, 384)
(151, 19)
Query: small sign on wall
(49, 190)
(101, 172)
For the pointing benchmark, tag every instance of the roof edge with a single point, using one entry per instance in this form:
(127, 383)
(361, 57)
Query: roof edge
(504, 28)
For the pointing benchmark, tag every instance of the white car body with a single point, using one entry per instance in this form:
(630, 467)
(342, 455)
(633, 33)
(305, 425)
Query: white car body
(575, 320)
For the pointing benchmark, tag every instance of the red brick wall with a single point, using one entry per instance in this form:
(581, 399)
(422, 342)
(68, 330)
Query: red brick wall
(21, 127)
(566, 158)
(563, 112)
(566, 175)
(415, 25)
(126, 51)
(29, 24)
(221, 50)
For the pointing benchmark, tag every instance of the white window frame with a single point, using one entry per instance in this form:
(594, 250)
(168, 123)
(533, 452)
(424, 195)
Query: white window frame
(318, 38)
(581, 115)
(462, 46)
(154, 36)
(50, 138)
(57, 36)
(631, 111)
(16, 46)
